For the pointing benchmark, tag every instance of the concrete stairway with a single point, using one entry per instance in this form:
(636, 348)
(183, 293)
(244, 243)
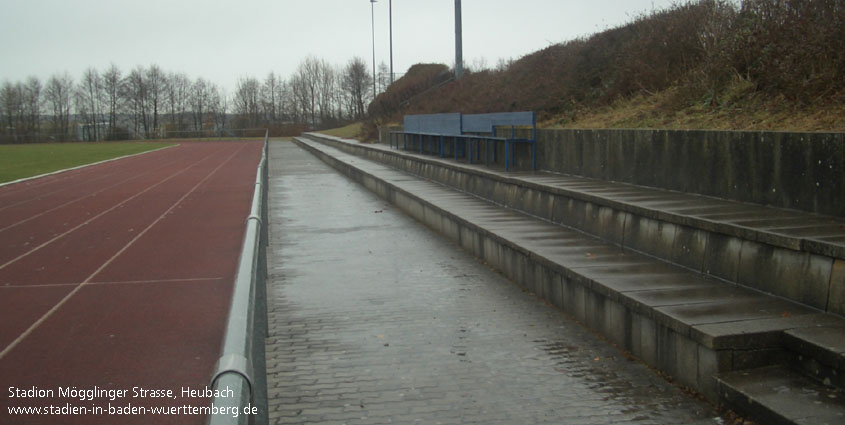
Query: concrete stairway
(715, 293)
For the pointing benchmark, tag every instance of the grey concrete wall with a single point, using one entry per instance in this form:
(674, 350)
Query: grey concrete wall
(780, 266)
(384, 132)
(692, 358)
(804, 171)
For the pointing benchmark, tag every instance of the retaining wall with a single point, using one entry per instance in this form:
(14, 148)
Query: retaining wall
(770, 263)
(803, 171)
(690, 354)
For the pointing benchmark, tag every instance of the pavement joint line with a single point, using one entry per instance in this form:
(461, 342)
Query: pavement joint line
(92, 219)
(33, 217)
(84, 283)
(117, 282)
(25, 179)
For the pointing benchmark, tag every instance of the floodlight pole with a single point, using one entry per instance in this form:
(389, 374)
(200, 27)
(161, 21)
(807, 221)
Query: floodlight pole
(459, 61)
(373, 17)
(391, 40)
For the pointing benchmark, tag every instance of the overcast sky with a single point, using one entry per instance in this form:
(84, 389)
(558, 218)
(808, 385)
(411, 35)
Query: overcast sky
(225, 40)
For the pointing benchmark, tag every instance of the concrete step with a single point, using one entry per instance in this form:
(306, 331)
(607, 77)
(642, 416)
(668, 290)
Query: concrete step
(779, 395)
(790, 254)
(682, 321)
(690, 326)
(818, 352)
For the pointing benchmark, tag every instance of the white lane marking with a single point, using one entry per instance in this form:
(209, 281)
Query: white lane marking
(61, 302)
(85, 223)
(25, 179)
(136, 176)
(115, 282)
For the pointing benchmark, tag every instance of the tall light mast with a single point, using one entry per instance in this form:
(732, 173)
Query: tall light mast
(459, 61)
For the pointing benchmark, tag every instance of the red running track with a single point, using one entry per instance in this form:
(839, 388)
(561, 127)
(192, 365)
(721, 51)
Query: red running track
(118, 276)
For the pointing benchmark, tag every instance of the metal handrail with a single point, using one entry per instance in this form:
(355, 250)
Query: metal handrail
(241, 367)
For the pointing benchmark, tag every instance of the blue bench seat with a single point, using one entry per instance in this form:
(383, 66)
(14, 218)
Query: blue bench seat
(468, 132)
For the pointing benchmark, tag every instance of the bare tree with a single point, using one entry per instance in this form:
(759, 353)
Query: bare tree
(308, 85)
(218, 106)
(318, 94)
(112, 97)
(4, 128)
(478, 64)
(247, 102)
(298, 99)
(338, 96)
(155, 84)
(355, 81)
(178, 95)
(326, 91)
(271, 98)
(287, 102)
(383, 79)
(88, 101)
(199, 102)
(503, 64)
(58, 96)
(137, 99)
(33, 102)
(10, 98)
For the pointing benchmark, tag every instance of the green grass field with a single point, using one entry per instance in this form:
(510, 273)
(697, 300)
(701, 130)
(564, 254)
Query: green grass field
(351, 131)
(20, 161)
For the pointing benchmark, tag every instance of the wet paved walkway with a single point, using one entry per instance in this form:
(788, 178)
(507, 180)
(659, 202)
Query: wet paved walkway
(374, 319)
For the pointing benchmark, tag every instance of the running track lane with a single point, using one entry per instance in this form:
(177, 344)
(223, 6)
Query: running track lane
(126, 288)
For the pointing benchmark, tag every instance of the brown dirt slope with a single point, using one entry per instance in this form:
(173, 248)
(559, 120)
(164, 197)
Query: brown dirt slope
(762, 64)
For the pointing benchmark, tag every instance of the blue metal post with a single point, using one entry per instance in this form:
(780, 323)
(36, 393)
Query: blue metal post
(478, 149)
(534, 126)
(507, 155)
(486, 152)
(470, 151)
(495, 150)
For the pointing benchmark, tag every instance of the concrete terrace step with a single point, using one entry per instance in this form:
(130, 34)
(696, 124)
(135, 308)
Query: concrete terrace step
(780, 227)
(690, 325)
(791, 254)
(819, 353)
(778, 395)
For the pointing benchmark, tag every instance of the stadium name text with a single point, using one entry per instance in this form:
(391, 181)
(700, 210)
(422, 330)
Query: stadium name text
(88, 394)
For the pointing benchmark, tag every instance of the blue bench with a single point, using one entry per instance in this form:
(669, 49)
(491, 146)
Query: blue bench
(428, 126)
(468, 131)
(491, 123)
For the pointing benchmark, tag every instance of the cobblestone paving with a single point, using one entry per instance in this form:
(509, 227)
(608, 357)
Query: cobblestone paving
(374, 319)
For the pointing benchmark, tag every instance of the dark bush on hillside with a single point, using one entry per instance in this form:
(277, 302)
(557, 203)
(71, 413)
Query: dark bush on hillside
(286, 130)
(789, 48)
(418, 79)
(388, 105)
(795, 48)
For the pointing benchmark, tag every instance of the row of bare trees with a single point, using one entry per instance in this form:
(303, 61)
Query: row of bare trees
(148, 102)
(109, 105)
(318, 94)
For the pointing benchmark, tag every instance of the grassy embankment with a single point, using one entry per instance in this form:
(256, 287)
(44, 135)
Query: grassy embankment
(703, 64)
(20, 161)
(351, 131)
(745, 112)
